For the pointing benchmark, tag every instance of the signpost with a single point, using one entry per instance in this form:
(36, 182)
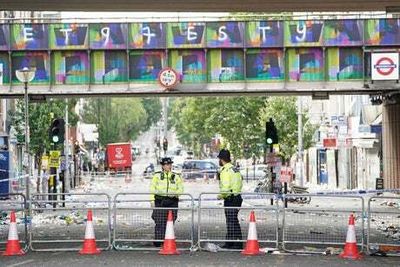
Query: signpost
(385, 66)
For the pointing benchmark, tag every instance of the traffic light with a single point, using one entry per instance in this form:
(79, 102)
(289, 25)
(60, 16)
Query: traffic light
(165, 144)
(271, 133)
(57, 131)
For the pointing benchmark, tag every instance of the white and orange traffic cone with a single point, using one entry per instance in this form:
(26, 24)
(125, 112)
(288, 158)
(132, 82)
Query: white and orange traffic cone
(252, 247)
(89, 244)
(350, 248)
(169, 247)
(13, 248)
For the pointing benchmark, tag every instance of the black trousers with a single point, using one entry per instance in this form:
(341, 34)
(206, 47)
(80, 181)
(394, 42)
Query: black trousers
(160, 216)
(234, 232)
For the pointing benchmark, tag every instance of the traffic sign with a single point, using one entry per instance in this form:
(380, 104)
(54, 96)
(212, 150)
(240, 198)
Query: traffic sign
(286, 174)
(385, 66)
(273, 160)
(54, 159)
(168, 78)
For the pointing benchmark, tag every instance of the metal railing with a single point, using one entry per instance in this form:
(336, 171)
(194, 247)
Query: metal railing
(134, 222)
(383, 232)
(58, 221)
(319, 226)
(212, 225)
(13, 202)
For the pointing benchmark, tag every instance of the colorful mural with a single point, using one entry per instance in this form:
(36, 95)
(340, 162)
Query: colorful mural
(147, 35)
(344, 64)
(4, 36)
(68, 36)
(39, 61)
(29, 37)
(70, 67)
(4, 69)
(343, 32)
(264, 65)
(108, 36)
(303, 33)
(225, 34)
(225, 65)
(144, 66)
(108, 67)
(264, 34)
(305, 64)
(382, 32)
(186, 35)
(190, 65)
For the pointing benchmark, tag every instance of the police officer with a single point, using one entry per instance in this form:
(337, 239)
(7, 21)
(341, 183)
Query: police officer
(230, 185)
(165, 188)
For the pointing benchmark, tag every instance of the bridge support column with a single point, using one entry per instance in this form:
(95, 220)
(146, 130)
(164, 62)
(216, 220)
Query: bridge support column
(391, 145)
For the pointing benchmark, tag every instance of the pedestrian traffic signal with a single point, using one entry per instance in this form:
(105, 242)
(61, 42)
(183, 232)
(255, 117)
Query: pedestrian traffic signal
(57, 131)
(165, 145)
(271, 133)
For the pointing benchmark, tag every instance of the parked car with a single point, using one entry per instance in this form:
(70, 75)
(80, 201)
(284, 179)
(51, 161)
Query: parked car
(254, 172)
(199, 169)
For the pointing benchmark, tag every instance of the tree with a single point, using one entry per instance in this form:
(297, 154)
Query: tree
(236, 119)
(40, 118)
(117, 119)
(152, 107)
(284, 112)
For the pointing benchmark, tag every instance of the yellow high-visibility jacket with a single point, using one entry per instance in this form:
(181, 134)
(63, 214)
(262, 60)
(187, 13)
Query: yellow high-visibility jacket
(166, 183)
(230, 182)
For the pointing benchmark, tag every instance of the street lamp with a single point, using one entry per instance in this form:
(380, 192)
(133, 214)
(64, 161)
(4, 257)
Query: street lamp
(25, 76)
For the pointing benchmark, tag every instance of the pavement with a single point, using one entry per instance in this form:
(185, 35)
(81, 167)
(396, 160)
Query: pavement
(151, 258)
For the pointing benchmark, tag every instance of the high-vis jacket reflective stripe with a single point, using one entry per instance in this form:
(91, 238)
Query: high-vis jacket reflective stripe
(230, 182)
(162, 184)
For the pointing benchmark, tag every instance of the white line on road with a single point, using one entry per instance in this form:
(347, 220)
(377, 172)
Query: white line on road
(21, 263)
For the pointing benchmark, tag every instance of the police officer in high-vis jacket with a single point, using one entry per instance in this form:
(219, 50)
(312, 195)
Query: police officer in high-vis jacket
(230, 185)
(165, 188)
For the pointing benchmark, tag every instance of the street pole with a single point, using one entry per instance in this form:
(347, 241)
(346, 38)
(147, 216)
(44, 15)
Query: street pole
(67, 176)
(165, 116)
(300, 140)
(28, 167)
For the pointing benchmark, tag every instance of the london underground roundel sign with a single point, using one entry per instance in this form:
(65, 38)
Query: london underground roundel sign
(168, 78)
(385, 66)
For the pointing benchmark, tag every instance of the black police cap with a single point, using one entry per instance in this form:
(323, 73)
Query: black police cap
(166, 160)
(224, 154)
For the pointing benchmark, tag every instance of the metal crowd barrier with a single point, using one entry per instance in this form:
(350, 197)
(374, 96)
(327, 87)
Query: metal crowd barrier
(383, 234)
(319, 226)
(134, 228)
(58, 221)
(212, 223)
(13, 202)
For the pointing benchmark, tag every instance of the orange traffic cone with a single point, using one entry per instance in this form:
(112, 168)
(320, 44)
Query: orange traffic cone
(169, 247)
(350, 248)
(252, 247)
(13, 247)
(89, 244)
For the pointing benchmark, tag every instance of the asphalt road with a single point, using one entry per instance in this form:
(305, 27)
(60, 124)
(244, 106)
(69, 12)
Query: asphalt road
(141, 258)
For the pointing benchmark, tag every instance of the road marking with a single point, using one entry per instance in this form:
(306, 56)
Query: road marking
(21, 263)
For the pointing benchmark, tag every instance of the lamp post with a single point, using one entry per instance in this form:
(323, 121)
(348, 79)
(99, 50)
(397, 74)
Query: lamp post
(25, 76)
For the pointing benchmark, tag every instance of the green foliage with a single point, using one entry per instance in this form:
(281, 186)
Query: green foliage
(152, 107)
(197, 120)
(40, 118)
(118, 119)
(240, 121)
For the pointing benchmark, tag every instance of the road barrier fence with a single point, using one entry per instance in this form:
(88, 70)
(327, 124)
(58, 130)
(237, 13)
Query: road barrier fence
(56, 222)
